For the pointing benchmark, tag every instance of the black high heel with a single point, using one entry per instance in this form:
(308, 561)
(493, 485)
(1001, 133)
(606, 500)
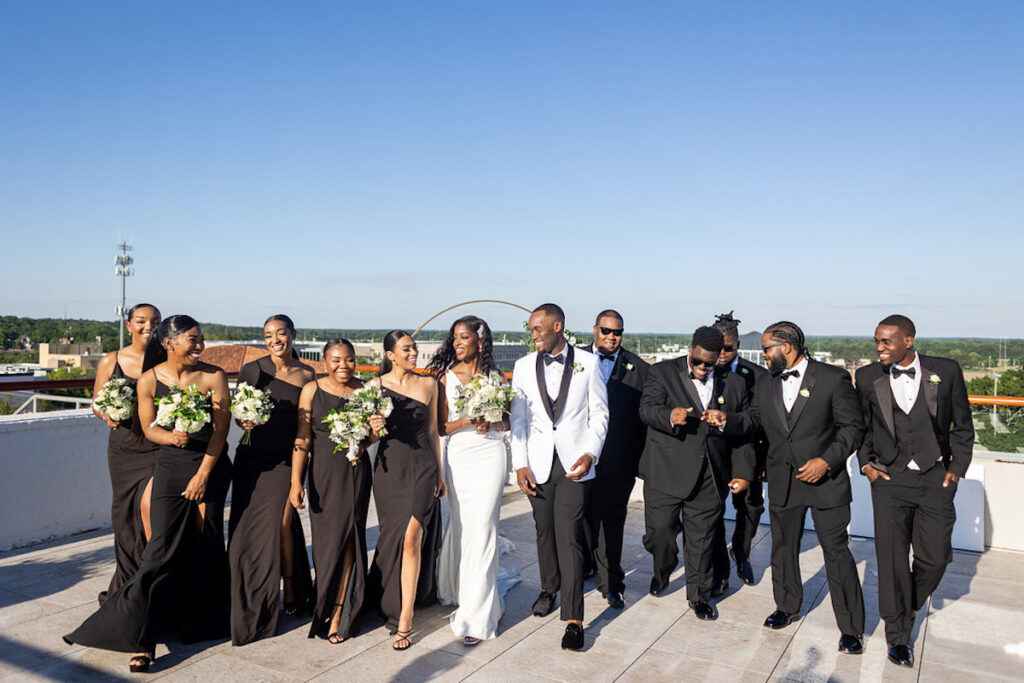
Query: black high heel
(335, 638)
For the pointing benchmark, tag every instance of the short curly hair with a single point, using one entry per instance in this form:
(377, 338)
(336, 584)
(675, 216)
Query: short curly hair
(708, 338)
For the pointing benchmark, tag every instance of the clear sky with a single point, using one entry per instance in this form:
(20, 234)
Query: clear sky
(368, 164)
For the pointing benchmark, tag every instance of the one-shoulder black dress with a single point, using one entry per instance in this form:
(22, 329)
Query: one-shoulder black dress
(404, 479)
(339, 498)
(259, 494)
(130, 458)
(181, 587)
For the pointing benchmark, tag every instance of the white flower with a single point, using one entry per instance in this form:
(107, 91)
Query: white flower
(483, 397)
(629, 366)
(806, 393)
(576, 368)
(934, 379)
(721, 400)
(744, 371)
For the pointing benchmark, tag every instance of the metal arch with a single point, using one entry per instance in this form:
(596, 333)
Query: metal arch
(466, 303)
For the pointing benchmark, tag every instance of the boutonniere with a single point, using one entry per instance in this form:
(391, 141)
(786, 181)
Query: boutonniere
(934, 379)
(576, 368)
(806, 393)
(721, 400)
(629, 366)
(744, 371)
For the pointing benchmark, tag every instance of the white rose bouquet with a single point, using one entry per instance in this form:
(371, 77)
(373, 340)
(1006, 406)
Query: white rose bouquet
(183, 410)
(485, 397)
(249, 404)
(116, 399)
(350, 426)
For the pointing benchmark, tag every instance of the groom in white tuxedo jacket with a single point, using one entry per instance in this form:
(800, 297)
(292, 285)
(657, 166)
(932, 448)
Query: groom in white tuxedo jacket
(559, 422)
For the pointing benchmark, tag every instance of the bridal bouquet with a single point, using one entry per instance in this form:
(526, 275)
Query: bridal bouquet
(483, 397)
(249, 404)
(116, 399)
(183, 410)
(350, 426)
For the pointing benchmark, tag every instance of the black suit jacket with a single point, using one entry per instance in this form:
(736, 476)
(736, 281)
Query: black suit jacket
(825, 423)
(673, 454)
(625, 440)
(749, 373)
(945, 394)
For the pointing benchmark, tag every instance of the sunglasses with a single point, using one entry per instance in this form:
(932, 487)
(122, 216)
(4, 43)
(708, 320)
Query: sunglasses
(764, 349)
(728, 348)
(697, 363)
(611, 330)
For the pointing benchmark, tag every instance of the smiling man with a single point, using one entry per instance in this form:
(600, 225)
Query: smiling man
(918, 444)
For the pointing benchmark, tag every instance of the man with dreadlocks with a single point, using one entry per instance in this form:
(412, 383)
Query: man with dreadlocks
(810, 415)
(749, 504)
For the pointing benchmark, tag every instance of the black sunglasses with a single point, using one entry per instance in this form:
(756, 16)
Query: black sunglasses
(698, 363)
(728, 348)
(764, 349)
(611, 330)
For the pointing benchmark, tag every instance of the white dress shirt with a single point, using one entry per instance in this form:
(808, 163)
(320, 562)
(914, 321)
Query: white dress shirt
(704, 389)
(905, 390)
(606, 365)
(553, 372)
(791, 385)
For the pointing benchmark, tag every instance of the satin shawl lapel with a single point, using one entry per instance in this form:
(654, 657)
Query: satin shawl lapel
(542, 388)
(780, 403)
(883, 392)
(801, 401)
(691, 391)
(929, 389)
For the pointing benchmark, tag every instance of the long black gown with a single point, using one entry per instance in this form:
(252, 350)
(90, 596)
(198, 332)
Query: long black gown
(339, 498)
(259, 494)
(130, 458)
(181, 587)
(404, 480)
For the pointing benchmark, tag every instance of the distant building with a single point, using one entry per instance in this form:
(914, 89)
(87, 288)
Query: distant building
(71, 355)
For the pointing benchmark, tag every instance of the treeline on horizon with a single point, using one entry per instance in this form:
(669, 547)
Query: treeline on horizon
(970, 353)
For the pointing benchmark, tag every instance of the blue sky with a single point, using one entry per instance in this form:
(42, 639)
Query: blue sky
(368, 164)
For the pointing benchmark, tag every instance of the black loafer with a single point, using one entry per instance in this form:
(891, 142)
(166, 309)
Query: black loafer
(544, 604)
(851, 645)
(615, 599)
(779, 619)
(658, 587)
(901, 655)
(703, 610)
(573, 638)
(718, 587)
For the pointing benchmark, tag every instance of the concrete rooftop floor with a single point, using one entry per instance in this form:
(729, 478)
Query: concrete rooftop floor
(973, 628)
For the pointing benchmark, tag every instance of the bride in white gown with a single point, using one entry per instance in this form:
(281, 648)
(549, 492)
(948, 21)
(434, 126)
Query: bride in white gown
(475, 472)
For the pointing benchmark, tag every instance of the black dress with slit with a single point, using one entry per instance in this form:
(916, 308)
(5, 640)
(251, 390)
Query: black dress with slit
(181, 587)
(404, 479)
(259, 494)
(339, 498)
(130, 458)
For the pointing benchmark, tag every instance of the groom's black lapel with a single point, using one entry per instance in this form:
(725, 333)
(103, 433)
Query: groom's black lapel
(554, 411)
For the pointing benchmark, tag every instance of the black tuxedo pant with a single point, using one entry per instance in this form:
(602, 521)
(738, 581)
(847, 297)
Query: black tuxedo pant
(787, 525)
(911, 510)
(558, 513)
(749, 506)
(606, 522)
(696, 516)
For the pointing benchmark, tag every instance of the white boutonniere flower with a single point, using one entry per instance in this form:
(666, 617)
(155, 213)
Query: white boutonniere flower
(806, 393)
(721, 400)
(934, 379)
(576, 368)
(629, 366)
(744, 371)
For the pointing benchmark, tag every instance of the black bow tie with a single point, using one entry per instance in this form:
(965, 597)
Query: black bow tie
(548, 359)
(698, 379)
(790, 373)
(909, 372)
(607, 356)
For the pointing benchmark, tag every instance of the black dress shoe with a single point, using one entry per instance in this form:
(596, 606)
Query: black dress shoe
(779, 619)
(851, 645)
(544, 604)
(718, 587)
(657, 587)
(615, 599)
(743, 570)
(901, 654)
(703, 610)
(589, 573)
(573, 638)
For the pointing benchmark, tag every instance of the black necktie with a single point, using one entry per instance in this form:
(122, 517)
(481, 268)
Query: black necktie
(607, 356)
(548, 359)
(909, 372)
(790, 373)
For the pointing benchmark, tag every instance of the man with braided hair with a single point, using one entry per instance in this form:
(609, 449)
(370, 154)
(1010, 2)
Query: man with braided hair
(811, 417)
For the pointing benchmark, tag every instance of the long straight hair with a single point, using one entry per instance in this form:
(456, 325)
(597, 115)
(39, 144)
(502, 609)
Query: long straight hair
(390, 339)
(156, 352)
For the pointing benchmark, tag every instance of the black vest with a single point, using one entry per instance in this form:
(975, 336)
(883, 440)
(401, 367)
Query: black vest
(915, 435)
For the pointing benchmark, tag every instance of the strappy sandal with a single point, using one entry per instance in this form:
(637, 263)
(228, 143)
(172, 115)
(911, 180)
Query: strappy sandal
(336, 638)
(403, 637)
(291, 608)
(139, 664)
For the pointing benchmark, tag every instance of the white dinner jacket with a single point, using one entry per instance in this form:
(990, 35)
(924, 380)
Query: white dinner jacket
(580, 428)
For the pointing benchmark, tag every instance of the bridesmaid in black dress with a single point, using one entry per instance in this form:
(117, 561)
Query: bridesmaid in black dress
(265, 539)
(408, 480)
(130, 455)
(182, 583)
(339, 497)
